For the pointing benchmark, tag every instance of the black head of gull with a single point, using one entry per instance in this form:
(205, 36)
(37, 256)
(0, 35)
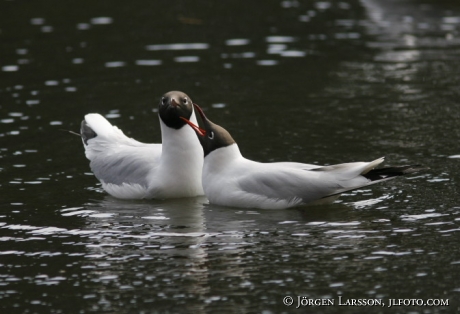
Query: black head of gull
(173, 106)
(211, 136)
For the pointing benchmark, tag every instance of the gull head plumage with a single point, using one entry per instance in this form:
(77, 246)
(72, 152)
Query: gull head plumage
(211, 135)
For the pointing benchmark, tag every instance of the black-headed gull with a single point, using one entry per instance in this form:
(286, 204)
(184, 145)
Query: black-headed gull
(229, 179)
(129, 169)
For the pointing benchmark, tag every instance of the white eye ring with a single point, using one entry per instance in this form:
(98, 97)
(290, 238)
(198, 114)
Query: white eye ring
(211, 135)
(185, 100)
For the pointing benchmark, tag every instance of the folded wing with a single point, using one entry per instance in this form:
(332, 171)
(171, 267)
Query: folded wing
(298, 186)
(116, 159)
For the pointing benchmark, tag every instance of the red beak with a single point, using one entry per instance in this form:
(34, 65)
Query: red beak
(196, 128)
(200, 111)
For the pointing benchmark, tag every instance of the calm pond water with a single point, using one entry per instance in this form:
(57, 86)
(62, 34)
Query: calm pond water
(312, 81)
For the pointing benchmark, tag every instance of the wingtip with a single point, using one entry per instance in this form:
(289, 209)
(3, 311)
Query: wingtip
(86, 132)
(392, 172)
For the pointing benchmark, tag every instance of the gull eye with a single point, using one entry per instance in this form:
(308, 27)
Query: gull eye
(185, 100)
(164, 100)
(211, 135)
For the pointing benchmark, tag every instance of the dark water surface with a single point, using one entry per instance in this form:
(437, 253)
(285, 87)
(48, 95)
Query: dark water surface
(313, 81)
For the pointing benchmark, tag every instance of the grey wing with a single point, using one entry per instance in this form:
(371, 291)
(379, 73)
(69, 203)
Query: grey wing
(116, 158)
(281, 182)
(126, 164)
(296, 165)
(292, 185)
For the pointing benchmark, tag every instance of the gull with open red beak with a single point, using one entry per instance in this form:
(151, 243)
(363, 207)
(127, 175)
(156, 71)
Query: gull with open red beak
(229, 179)
(129, 169)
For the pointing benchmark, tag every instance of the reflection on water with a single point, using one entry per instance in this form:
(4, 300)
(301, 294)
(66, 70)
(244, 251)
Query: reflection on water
(198, 258)
(191, 46)
(314, 81)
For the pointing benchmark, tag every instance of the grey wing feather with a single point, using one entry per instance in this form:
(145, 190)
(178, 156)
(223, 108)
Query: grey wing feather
(315, 183)
(289, 184)
(116, 158)
(130, 165)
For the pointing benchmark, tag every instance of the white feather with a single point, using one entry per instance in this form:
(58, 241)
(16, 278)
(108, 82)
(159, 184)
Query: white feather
(130, 169)
(229, 179)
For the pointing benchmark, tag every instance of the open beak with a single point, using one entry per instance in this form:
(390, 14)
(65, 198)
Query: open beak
(200, 112)
(196, 128)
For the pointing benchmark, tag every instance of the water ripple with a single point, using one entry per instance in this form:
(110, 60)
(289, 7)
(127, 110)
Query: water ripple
(381, 75)
(178, 46)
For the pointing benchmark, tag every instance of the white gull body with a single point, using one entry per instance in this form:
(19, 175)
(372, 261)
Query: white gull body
(129, 169)
(229, 179)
